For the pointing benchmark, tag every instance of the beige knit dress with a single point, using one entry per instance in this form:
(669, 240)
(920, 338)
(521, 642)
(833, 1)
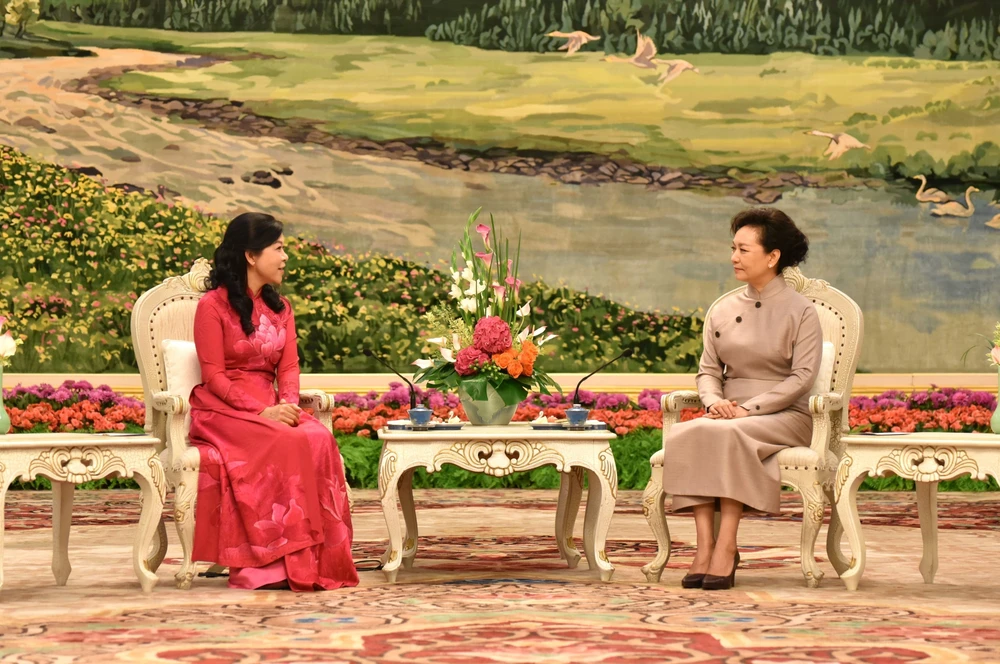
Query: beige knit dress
(763, 350)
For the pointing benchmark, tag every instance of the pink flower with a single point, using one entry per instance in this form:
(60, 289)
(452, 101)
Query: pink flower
(286, 524)
(470, 360)
(485, 256)
(499, 290)
(484, 232)
(492, 335)
(3, 321)
(994, 354)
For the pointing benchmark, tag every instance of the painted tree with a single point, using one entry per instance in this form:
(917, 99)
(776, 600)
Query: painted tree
(21, 13)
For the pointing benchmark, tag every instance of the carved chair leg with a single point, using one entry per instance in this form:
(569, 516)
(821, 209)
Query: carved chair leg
(812, 519)
(653, 509)
(185, 500)
(835, 537)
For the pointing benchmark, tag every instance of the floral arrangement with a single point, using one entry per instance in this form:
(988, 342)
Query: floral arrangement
(488, 341)
(80, 406)
(73, 406)
(8, 344)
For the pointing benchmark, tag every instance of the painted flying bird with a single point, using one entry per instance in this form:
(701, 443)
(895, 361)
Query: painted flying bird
(644, 56)
(577, 39)
(674, 69)
(839, 143)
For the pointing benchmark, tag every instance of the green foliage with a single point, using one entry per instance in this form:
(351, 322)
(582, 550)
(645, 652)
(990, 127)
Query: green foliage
(938, 29)
(76, 254)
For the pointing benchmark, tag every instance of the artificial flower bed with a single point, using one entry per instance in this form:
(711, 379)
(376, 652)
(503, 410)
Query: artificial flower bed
(78, 406)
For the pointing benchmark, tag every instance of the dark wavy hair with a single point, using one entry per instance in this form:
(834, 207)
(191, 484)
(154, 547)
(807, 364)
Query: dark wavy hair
(253, 232)
(775, 230)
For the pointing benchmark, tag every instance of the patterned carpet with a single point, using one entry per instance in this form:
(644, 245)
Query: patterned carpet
(488, 587)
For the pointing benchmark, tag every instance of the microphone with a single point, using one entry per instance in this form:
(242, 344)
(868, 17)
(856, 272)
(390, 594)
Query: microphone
(413, 394)
(628, 352)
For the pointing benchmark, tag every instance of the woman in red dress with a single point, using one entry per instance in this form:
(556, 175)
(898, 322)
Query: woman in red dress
(272, 498)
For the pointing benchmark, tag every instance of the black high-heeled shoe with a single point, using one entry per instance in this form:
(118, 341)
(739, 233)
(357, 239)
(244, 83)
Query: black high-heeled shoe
(692, 580)
(713, 582)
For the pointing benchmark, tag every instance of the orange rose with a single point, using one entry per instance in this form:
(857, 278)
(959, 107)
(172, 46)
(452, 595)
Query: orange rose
(503, 359)
(515, 368)
(529, 367)
(529, 351)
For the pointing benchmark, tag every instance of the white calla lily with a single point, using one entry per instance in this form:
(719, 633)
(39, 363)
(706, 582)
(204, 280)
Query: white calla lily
(525, 310)
(523, 335)
(447, 355)
(439, 341)
(539, 331)
(456, 343)
(548, 338)
(424, 364)
(7, 345)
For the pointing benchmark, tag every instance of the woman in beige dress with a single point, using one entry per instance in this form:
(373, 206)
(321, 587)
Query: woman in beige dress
(763, 349)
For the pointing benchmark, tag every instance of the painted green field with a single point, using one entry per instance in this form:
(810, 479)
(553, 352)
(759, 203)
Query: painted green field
(748, 112)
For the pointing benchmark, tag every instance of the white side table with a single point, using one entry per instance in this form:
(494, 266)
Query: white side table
(67, 459)
(500, 451)
(925, 458)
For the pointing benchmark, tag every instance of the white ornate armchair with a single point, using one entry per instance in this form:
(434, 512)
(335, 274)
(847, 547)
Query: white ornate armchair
(809, 470)
(166, 312)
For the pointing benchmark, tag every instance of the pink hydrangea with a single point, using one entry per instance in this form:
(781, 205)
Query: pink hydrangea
(492, 335)
(469, 360)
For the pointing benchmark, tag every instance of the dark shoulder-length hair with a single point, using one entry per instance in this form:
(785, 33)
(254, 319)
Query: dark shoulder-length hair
(249, 232)
(775, 230)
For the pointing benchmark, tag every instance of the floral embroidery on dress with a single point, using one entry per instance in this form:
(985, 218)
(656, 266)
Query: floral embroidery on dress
(265, 344)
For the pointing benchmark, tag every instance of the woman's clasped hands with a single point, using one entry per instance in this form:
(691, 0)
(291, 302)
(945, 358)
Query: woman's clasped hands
(724, 409)
(284, 412)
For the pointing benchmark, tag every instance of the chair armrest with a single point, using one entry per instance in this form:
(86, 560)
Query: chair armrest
(176, 408)
(672, 404)
(319, 401)
(675, 401)
(170, 403)
(827, 418)
(825, 403)
(321, 404)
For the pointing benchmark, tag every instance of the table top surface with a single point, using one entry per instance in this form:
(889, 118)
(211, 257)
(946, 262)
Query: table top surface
(508, 432)
(930, 438)
(49, 440)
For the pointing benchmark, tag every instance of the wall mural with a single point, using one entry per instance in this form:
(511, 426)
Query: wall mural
(617, 136)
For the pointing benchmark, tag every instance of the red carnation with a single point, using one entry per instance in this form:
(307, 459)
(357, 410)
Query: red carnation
(492, 335)
(469, 360)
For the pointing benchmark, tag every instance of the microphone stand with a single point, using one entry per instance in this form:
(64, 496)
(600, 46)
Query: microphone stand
(413, 394)
(628, 352)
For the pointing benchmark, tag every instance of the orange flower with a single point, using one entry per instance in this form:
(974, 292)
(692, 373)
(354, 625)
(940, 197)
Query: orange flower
(529, 352)
(515, 368)
(504, 359)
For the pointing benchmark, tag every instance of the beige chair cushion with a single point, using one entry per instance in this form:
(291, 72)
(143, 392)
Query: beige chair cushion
(805, 457)
(824, 379)
(180, 363)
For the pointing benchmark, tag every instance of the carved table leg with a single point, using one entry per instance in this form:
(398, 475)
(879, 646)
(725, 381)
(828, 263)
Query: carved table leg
(847, 510)
(388, 484)
(601, 496)
(153, 486)
(62, 516)
(409, 516)
(927, 509)
(570, 491)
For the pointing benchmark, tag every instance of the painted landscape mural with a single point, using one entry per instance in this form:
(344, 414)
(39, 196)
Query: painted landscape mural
(616, 136)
